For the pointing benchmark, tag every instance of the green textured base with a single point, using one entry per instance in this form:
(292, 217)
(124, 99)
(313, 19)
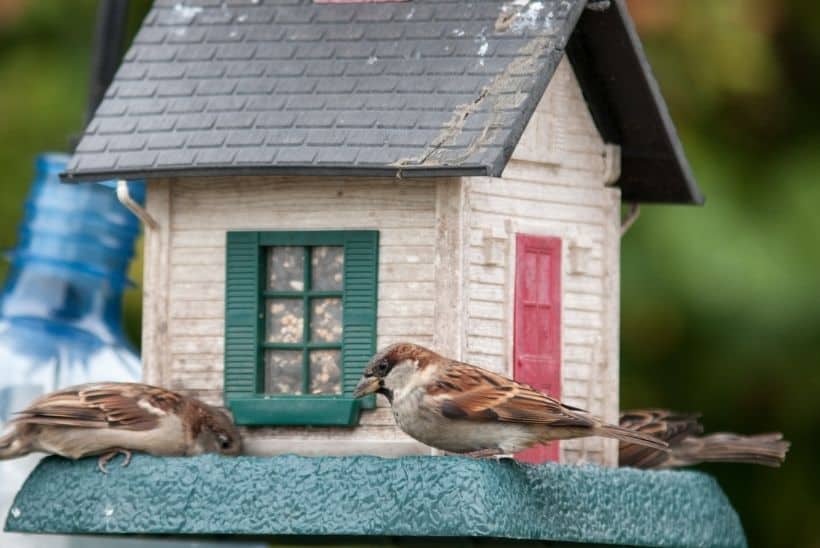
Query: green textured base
(371, 496)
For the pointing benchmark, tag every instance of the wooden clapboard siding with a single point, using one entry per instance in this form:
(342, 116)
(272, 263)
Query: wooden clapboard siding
(608, 376)
(561, 132)
(555, 185)
(188, 261)
(155, 277)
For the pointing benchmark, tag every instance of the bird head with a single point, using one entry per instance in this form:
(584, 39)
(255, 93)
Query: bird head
(219, 434)
(392, 368)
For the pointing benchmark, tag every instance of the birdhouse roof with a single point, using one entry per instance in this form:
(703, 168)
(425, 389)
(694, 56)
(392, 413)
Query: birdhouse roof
(419, 88)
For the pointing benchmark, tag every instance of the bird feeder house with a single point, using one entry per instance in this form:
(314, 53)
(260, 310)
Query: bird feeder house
(327, 178)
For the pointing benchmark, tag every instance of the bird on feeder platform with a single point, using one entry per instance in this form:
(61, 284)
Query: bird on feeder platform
(462, 408)
(106, 419)
(688, 447)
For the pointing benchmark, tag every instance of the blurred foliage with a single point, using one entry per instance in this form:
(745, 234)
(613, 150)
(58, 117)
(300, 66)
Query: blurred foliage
(721, 304)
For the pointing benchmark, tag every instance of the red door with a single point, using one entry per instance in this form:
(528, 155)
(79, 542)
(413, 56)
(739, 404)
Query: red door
(537, 331)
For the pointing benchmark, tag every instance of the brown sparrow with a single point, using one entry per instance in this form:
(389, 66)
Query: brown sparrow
(687, 447)
(110, 418)
(461, 408)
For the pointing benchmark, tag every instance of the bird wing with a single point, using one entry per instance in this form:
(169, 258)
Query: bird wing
(463, 391)
(129, 406)
(666, 425)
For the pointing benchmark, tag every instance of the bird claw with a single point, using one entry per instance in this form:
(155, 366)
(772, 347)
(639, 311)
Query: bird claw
(105, 458)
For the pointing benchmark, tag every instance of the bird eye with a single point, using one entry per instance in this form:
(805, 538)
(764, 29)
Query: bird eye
(382, 367)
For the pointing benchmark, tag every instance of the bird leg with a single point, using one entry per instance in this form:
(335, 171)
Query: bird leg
(106, 458)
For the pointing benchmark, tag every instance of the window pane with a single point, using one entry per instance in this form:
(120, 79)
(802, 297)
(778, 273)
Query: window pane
(285, 321)
(326, 320)
(286, 268)
(327, 263)
(325, 373)
(283, 371)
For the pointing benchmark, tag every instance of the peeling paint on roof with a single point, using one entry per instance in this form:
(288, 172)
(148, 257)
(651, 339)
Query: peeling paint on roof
(499, 102)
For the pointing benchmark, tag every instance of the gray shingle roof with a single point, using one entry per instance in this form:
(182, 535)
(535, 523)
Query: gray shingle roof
(238, 86)
(418, 88)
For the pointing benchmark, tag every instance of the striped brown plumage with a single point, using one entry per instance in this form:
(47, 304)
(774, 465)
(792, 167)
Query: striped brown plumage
(687, 445)
(107, 418)
(462, 408)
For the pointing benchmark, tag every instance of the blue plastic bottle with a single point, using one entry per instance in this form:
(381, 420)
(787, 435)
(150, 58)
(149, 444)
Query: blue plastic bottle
(61, 318)
(61, 305)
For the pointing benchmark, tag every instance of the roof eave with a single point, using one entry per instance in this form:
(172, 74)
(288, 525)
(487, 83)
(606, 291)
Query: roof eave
(628, 108)
(397, 172)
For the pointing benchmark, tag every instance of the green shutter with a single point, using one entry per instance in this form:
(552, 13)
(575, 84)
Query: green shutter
(360, 301)
(241, 315)
(244, 329)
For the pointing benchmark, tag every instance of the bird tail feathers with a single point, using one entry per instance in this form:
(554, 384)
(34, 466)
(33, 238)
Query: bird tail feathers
(631, 436)
(766, 449)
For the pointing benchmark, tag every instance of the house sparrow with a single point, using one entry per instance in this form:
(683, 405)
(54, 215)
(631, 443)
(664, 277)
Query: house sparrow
(110, 418)
(687, 447)
(461, 408)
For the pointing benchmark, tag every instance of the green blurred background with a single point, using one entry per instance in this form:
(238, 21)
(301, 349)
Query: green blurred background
(721, 304)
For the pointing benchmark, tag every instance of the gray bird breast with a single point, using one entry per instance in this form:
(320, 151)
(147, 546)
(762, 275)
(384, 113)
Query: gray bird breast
(457, 436)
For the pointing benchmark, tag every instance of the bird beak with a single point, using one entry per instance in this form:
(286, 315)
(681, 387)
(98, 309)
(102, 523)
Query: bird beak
(368, 385)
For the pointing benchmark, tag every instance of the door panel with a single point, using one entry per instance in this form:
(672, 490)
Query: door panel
(537, 324)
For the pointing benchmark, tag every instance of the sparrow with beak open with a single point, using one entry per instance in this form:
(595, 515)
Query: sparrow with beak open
(461, 408)
(110, 418)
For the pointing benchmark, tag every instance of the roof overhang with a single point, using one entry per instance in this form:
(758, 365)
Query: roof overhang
(628, 108)
(176, 108)
(306, 170)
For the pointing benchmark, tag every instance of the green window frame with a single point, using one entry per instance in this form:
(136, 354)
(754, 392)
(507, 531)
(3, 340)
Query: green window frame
(245, 295)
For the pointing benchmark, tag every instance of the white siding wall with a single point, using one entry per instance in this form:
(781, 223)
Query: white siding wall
(553, 186)
(184, 325)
